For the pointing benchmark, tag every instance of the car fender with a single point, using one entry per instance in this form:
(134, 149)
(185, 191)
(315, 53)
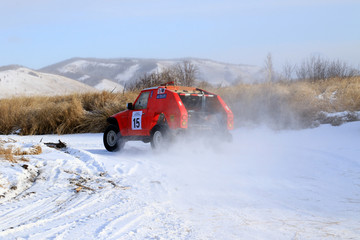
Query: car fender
(120, 120)
(158, 119)
(112, 120)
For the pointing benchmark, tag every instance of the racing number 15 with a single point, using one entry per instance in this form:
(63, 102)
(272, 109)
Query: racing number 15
(136, 120)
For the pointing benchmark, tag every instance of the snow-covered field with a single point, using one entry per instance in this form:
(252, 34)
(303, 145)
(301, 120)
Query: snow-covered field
(301, 184)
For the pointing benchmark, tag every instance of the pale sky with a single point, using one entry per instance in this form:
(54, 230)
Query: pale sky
(38, 33)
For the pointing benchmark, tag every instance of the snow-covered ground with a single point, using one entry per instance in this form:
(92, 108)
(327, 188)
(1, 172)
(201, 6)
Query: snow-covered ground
(302, 184)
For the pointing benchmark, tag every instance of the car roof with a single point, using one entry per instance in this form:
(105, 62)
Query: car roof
(178, 89)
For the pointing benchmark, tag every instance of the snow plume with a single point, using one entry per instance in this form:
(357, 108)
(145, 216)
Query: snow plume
(264, 105)
(298, 104)
(279, 106)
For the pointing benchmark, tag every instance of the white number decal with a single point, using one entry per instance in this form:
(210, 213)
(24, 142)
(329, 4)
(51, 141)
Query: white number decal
(136, 120)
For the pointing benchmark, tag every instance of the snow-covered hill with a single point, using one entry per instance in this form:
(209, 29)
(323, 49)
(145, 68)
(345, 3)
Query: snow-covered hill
(21, 81)
(298, 184)
(92, 71)
(108, 85)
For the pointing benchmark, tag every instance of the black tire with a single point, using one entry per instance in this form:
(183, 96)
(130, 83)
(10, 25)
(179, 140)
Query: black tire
(113, 141)
(159, 138)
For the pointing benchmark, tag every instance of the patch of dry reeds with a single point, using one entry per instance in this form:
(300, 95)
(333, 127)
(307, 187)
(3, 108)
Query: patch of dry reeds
(294, 104)
(291, 104)
(77, 113)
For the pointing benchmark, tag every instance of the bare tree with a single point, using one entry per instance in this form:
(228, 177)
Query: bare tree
(338, 68)
(317, 68)
(288, 71)
(269, 68)
(181, 74)
(167, 74)
(313, 68)
(320, 67)
(301, 71)
(185, 73)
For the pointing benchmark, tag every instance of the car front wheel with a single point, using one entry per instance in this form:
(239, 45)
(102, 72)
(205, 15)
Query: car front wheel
(112, 139)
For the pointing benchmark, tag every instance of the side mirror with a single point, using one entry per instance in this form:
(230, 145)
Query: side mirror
(129, 106)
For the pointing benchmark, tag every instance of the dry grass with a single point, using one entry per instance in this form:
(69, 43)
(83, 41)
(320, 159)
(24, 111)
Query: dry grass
(7, 154)
(75, 113)
(291, 104)
(34, 150)
(15, 154)
(281, 105)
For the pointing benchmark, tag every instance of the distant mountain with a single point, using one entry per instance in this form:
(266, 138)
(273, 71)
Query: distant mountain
(93, 71)
(20, 81)
(92, 74)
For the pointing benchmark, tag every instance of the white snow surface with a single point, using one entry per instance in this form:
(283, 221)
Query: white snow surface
(301, 184)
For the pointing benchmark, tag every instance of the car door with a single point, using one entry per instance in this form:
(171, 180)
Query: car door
(138, 116)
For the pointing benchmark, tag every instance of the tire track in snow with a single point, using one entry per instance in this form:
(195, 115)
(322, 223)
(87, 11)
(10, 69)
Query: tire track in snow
(120, 224)
(54, 203)
(51, 208)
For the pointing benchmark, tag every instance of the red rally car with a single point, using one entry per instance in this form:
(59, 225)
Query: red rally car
(161, 113)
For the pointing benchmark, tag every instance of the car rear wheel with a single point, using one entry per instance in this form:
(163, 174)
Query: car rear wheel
(112, 139)
(158, 137)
